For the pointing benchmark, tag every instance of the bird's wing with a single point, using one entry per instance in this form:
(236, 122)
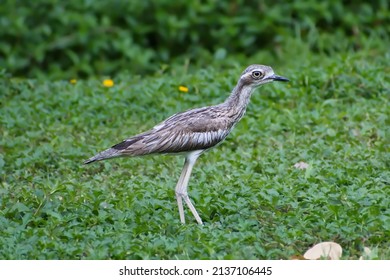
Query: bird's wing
(196, 129)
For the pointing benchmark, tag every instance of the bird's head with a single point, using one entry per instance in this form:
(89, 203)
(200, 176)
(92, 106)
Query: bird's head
(256, 75)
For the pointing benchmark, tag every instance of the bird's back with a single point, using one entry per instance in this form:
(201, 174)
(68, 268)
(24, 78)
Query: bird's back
(196, 129)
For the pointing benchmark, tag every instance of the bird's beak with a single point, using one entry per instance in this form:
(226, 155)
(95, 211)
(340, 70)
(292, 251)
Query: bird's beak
(278, 78)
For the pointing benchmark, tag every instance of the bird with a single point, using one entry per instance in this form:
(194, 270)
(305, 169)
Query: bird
(192, 132)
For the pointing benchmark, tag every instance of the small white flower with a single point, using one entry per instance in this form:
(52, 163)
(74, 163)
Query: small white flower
(301, 165)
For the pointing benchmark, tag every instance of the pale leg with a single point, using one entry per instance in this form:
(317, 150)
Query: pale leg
(178, 194)
(182, 184)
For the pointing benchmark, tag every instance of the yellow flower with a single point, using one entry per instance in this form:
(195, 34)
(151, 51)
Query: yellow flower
(73, 81)
(108, 83)
(183, 89)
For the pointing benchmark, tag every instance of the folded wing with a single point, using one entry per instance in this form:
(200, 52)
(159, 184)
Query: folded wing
(197, 129)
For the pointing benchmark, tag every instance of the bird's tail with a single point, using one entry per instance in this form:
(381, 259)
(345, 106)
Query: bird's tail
(109, 153)
(133, 146)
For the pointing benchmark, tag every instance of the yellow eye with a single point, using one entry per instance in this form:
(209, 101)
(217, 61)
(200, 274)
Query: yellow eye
(257, 74)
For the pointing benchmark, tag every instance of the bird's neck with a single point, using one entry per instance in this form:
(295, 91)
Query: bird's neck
(239, 100)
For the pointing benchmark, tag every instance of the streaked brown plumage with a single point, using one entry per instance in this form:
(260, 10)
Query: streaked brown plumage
(194, 131)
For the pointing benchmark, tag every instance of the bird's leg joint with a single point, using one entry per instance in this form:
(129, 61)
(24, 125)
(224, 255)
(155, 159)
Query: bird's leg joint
(181, 193)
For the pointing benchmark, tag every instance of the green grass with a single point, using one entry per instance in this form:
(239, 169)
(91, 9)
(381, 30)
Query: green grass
(334, 115)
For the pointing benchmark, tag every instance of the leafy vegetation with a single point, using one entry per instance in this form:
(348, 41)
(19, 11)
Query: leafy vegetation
(83, 38)
(309, 163)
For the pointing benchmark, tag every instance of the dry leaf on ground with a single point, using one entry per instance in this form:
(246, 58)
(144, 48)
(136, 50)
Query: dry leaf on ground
(327, 250)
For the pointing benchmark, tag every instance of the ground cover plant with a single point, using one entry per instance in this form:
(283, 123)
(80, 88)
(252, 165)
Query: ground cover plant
(333, 116)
